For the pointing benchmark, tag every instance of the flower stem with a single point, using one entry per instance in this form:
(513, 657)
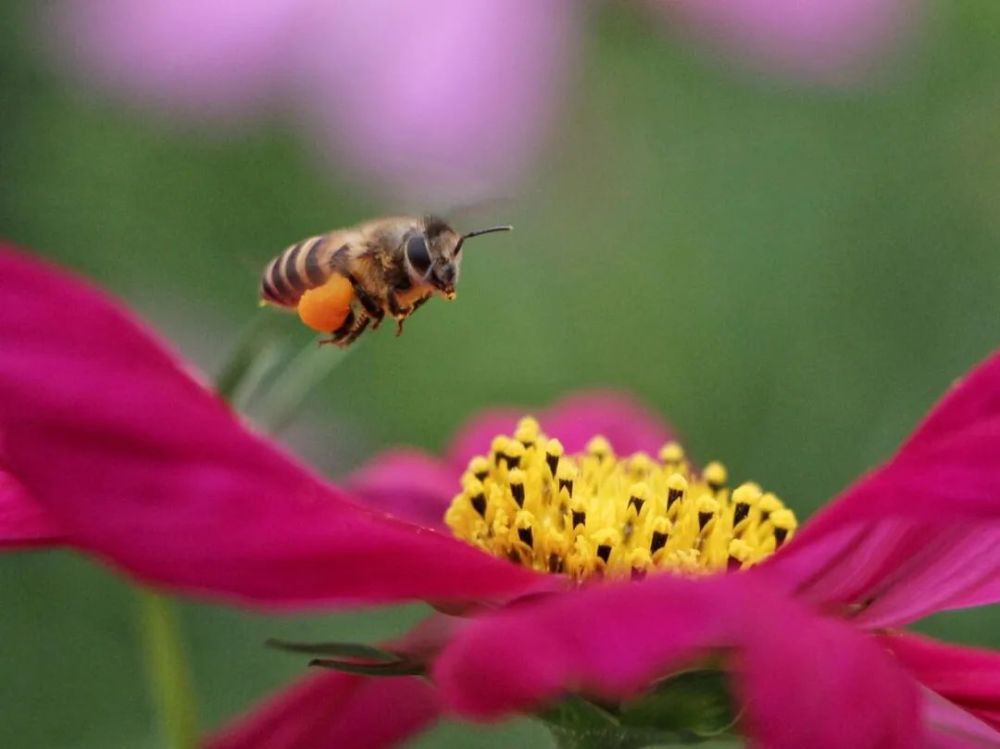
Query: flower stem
(169, 680)
(250, 369)
(304, 372)
(245, 357)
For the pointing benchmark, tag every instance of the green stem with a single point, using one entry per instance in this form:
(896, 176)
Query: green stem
(249, 369)
(286, 394)
(244, 356)
(169, 680)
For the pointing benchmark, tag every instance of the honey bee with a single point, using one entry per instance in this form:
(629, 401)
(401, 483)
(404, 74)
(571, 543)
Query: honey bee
(342, 281)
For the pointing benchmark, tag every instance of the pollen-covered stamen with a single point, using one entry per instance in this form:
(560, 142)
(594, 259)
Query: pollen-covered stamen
(676, 486)
(597, 514)
(740, 554)
(707, 508)
(606, 540)
(479, 467)
(477, 497)
(768, 504)
(523, 524)
(672, 454)
(715, 476)
(599, 447)
(496, 448)
(637, 499)
(639, 561)
(512, 453)
(744, 497)
(515, 480)
(660, 534)
(566, 474)
(526, 435)
(553, 451)
(784, 523)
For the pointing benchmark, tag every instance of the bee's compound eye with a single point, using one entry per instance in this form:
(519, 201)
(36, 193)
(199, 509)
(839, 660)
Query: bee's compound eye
(418, 254)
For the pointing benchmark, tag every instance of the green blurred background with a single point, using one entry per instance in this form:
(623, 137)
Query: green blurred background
(790, 275)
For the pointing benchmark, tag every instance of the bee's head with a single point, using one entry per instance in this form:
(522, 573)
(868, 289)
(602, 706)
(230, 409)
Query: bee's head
(434, 254)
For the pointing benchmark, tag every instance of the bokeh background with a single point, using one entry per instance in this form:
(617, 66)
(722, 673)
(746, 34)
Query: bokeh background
(791, 263)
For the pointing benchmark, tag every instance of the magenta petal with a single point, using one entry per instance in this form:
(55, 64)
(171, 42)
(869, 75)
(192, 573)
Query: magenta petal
(957, 567)
(23, 522)
(921, 533)
(442, 99)
(139, 463)
(948, 465)
(628, 425)
(206, 56)
(798, 674)
(950, 727)
(808, 39)
(972, 400)
(407, 484)
(967, 677)
(335, 710)
(889, 572)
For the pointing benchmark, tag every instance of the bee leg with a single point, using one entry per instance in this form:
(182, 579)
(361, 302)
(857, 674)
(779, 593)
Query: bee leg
(354, 334)
(398, 312)
(338, 335)
(404, 312)
(366, 299)
(370, 303)
(395, 309)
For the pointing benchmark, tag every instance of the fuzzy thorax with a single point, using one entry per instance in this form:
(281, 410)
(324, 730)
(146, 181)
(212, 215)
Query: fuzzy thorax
(598, 514)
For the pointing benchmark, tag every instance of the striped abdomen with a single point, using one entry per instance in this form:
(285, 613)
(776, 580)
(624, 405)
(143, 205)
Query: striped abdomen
(301, 267)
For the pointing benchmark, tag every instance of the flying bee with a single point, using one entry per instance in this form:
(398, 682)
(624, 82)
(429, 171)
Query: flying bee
(342, 281)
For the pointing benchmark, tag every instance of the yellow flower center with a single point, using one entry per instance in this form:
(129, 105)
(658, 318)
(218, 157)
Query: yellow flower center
(595, 513)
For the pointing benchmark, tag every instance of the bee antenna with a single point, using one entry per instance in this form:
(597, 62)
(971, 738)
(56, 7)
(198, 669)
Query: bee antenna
(461, 239)
(479, 232)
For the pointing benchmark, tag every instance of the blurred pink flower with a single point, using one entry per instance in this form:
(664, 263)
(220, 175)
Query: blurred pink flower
(440, 95)
(439, 100)
(831, 41)
(109, 446)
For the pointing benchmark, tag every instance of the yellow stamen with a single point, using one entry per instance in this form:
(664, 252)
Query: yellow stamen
(479, 467)
(715, 475)
(599, 447)
(512, 453)
(597, 514)
(672, 453)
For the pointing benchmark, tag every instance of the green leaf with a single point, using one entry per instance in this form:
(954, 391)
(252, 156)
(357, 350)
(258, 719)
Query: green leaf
(254, 348)
(579, 724)
(689, 707)
(253, 379)
(342, 649)
(692, 704)
(578, 713)
(362, 659)
(401, 667)
(282, 399)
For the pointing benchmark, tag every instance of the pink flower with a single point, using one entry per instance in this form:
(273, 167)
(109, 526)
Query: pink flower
(442, 99)
(439, 99)
(108, 445)
(832, 42)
